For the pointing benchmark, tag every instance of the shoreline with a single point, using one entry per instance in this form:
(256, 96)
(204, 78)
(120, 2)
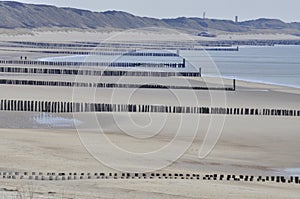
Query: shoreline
(266, 83)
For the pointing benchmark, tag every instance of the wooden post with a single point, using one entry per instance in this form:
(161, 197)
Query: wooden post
(234, 84)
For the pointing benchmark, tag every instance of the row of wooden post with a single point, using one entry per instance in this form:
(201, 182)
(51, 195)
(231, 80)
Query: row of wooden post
(97, 64)
(62, 71)
(105, 85)
(68, 107)
(111, 53)
(155, 175)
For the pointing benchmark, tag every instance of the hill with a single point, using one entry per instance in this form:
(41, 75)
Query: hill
(19, 15)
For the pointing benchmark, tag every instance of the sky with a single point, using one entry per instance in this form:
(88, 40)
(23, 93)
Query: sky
(286, 10)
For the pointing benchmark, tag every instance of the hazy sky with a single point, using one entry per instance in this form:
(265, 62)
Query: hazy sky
(287, 10)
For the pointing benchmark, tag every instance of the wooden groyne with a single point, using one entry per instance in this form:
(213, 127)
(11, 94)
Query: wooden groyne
(136, 54)
(103, 53)
(93, 64)
(77, 107)
(67, 176)
(107, 85)
(116, 48)
(62, 71)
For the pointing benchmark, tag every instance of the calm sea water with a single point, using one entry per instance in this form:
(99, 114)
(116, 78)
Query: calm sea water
(276, 65)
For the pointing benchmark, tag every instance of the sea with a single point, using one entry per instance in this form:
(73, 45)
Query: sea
(279, 65)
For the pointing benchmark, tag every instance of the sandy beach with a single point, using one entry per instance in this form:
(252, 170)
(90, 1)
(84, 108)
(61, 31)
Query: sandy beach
(52, 142)
(133, 35)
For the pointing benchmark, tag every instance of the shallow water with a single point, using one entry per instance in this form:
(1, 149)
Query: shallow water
(292, 171)
(54, 121)
(32, 120)
(276, 65)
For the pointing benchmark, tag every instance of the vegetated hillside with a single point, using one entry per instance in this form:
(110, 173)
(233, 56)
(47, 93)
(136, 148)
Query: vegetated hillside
(19, 15)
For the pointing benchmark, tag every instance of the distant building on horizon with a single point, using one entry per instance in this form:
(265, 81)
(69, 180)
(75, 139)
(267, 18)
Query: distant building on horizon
(236, 19)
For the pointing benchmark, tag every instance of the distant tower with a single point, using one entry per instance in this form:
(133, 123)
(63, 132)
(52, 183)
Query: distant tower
(236, 19)
(204, 15)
